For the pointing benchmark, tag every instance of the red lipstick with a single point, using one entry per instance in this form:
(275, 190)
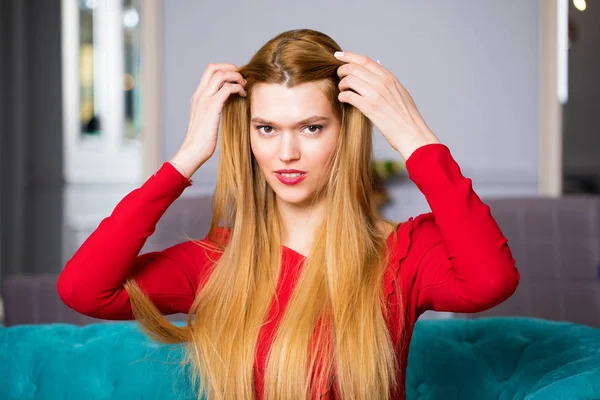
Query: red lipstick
(290, 180)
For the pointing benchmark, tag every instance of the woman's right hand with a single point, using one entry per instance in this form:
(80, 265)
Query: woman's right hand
(216, 84)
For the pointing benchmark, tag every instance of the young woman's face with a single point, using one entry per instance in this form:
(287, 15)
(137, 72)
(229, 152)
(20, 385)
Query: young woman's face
(292, 129)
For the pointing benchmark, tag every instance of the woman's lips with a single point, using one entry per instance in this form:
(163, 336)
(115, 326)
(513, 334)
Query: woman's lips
(290, 181)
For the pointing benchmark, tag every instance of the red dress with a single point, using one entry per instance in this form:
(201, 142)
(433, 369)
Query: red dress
(454, 258)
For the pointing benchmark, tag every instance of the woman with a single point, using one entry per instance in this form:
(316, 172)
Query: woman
(297, 291)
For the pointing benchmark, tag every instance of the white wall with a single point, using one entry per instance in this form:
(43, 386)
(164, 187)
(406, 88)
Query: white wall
(471, 66)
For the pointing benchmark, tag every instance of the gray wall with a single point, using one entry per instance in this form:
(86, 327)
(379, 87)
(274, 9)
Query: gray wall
(471, 66)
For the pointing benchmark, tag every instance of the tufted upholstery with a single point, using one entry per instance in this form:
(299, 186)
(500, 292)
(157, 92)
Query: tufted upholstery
(503, 358)
(99, 361)
(490, 358)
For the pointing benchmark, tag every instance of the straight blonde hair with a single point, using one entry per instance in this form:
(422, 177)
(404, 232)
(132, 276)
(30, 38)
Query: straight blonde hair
(333, 331)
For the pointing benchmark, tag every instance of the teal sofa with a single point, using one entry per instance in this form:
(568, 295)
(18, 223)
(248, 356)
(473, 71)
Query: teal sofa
(489, 358)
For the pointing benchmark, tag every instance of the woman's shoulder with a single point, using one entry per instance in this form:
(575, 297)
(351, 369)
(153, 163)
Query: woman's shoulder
(409, 238)
(415, 229)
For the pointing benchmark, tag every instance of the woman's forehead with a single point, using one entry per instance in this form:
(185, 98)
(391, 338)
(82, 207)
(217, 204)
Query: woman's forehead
(278, 103)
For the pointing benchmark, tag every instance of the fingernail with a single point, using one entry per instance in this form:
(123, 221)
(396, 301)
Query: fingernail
(338, 54)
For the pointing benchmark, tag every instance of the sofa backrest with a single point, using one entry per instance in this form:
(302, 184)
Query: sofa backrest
(555, 242)
(32, 299)
(556, 245)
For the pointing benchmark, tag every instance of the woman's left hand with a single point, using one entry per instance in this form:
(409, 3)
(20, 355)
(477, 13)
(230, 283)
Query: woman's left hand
(380, 96)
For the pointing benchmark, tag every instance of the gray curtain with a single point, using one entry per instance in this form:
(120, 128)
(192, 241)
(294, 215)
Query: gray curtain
(31, 156)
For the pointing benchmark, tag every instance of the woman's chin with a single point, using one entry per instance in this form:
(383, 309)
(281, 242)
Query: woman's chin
(287, 198)
(292, 196)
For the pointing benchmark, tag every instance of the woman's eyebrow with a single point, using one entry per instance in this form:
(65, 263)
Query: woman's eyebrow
(309, 120)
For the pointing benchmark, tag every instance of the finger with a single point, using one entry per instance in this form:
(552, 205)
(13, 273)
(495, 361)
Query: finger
(365, 83)
(358, 85)
(209, 72)
(374, 79)
(359, 71)
(219, 78)
(229, 88)
(355, 99)
(364, 61)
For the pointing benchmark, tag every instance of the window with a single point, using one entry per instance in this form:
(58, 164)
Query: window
(102, 90)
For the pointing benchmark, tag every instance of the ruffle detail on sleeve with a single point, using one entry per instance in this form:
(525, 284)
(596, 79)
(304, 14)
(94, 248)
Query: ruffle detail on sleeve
(400, 243)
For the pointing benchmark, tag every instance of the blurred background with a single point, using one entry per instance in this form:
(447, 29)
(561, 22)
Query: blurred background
(95, 96)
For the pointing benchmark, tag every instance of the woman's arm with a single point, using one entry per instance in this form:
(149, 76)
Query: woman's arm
(463, 260)
(92, 280)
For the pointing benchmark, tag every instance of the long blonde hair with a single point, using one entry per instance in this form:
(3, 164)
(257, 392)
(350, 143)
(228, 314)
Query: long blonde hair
(333, 330)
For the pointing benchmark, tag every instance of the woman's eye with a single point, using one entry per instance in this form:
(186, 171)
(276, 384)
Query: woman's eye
(258, 128)
(312, 129)
(319, 128)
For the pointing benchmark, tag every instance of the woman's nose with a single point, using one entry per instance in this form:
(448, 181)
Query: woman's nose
(288, 147)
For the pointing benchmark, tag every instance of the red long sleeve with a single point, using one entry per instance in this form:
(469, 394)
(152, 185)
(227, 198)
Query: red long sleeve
(462, 259)
(92, 280)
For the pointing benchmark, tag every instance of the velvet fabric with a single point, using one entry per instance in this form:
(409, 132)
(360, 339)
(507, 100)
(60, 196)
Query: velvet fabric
(489, 358)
